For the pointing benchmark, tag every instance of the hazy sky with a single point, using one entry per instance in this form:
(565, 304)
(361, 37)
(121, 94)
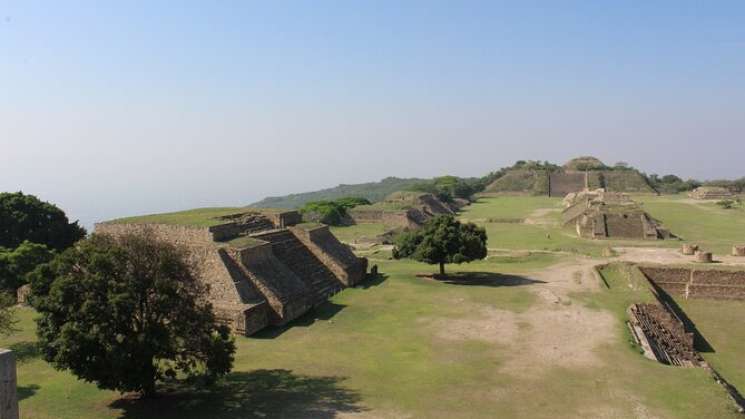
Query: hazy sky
(137, 107)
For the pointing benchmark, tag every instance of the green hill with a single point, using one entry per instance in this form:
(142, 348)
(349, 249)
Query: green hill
(372, 191)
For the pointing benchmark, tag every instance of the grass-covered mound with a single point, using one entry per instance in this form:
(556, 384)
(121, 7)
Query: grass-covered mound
(198, 217)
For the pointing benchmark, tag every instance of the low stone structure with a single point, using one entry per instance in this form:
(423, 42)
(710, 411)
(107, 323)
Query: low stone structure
(403, 210)
(689, 249)
(719, 283)
(711, 192)
(23, 293)
(8, 393)
(738, 250)
(599, 215)
(262, 268)
(704, 257)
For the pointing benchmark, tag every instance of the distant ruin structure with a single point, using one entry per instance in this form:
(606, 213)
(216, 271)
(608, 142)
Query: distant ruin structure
(404, 210)
(607, 215)
(711, 193)
(575, 176)
(262, 267)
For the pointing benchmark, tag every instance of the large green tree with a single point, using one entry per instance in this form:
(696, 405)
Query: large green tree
(25, 217)
(443, 240)
(126, 313)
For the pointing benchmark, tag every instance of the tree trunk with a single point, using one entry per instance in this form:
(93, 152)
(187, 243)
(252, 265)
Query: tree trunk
(442, 268)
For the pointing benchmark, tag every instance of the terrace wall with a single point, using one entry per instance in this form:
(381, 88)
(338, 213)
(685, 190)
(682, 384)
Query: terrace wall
(333, 254)
(563, 183)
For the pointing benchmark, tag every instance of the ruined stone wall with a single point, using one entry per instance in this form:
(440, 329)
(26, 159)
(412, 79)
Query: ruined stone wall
(230, 294)
(178, 234)
(563, 183)
(333, 254)
(434, 205)
(698, 283)
(8, 392)
(285, 219)
(202, 252)
(627, 226)
(285, 293)
(397, 219)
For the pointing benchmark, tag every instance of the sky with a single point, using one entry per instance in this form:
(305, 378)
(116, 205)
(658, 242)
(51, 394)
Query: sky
(111, 109)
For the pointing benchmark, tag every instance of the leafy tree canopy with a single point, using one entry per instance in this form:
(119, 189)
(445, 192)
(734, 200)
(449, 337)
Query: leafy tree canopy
(331, 212)
(127, 313)
(7, 314)
(25, 217)
(443, 240)
(15, 264)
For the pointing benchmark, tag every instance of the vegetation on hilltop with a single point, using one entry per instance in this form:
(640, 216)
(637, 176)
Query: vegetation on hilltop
(331, 212)
(372, 191)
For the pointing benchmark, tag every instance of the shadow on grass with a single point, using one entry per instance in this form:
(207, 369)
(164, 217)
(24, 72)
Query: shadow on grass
(373, 280)
(24, 392)
(255, 394)
(699, 341)
(25, 350)
(486, 279)
(325, 311)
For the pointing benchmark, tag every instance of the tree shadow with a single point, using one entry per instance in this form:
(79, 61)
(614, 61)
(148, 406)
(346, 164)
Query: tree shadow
(487, 279)
(25, 350)
(24, 392)
(325, 311)
(255, 394)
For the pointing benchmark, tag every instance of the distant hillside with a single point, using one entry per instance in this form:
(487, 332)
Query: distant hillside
(373, 191)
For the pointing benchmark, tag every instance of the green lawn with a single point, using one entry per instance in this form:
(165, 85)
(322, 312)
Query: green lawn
(370, 350)
(498, 215)
(375, 350)
(200, 217)
(703, 222)
(358, 231)
(721, 324)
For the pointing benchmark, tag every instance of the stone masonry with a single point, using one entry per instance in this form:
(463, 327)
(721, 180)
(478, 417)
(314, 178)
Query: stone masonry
(261, 269)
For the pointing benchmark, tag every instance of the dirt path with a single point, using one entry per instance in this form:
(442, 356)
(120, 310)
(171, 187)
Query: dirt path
(540, 216)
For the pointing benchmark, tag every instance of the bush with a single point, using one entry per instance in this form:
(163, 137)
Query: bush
(728, 203)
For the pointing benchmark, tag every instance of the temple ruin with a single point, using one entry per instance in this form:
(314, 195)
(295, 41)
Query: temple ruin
(606, 215)
(711, 192)
(575, 176)
(404, 210)
(262, 267)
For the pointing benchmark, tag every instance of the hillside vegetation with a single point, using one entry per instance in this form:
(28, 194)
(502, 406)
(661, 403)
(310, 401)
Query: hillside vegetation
(372, 191)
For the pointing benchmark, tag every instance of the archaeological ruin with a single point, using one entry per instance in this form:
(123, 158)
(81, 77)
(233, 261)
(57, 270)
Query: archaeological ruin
(404, 210)
(662, 329)
(262, 267)
(711, 193)
(607, 215)
(575, 176)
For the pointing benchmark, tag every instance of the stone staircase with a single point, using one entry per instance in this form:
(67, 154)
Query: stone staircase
(293, 254)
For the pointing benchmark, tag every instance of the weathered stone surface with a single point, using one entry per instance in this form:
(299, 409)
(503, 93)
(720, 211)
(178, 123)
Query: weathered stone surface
(689, 249)
(704, 257)
(260, 270)
(8, 394)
